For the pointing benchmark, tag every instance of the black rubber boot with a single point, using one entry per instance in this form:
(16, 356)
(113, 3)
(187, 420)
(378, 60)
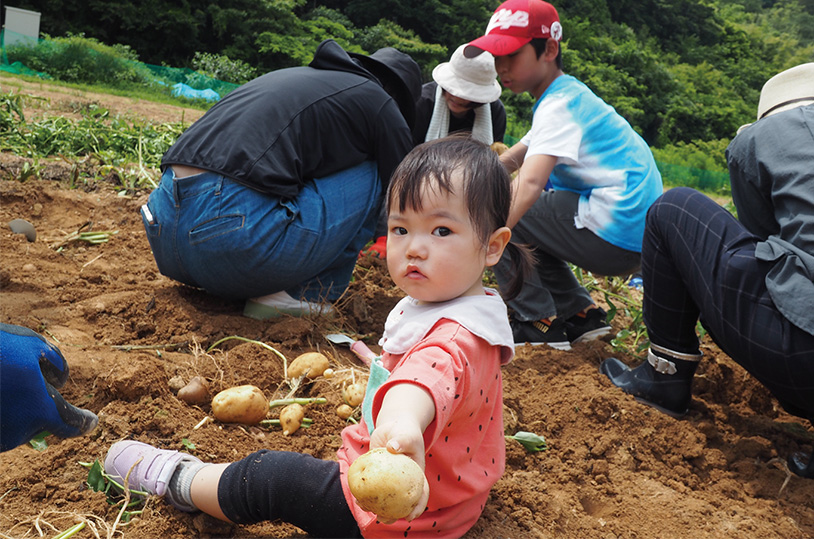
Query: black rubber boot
(798, 464)
(664, 381)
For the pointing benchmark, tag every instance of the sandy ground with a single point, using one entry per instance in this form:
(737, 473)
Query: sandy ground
(614, 468)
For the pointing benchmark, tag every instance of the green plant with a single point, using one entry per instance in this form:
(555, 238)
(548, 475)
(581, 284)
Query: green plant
(129, 500)
(128, 151)
(533, 443)
(31, 169)
(221, 67)
(624, 301)
(76, 58)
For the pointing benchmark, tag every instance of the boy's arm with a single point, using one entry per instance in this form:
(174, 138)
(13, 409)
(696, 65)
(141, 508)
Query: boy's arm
(530, 182)
(512, 158)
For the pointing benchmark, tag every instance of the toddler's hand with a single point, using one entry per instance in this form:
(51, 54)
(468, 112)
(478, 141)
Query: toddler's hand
(402, 437)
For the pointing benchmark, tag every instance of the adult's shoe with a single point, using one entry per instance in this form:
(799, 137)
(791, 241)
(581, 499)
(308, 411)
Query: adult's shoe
(280, 303)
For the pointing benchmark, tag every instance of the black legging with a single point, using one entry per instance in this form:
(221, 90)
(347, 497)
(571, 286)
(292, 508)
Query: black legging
(294, 487)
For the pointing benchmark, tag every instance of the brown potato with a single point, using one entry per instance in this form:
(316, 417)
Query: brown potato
(291, 418)
(387, 484)
(195, 392)
(310, 364)
(354, 393)
(240, 404)
(344, 411)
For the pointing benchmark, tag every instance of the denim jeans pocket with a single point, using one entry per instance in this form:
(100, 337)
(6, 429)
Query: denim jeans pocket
(152, 227)
(216, 227)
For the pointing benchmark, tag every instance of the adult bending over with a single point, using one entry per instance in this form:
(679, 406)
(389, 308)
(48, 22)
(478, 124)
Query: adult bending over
(272, 193)
(751, 281)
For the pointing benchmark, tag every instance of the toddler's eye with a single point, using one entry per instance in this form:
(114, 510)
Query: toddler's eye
(442, 231)
(399, 230)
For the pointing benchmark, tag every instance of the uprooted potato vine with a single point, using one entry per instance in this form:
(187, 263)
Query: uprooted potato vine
(132, 150)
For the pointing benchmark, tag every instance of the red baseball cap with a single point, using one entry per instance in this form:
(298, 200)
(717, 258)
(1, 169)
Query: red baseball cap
(513, 24)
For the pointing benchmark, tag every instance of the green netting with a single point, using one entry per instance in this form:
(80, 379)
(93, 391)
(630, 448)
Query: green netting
(678, 175)
(194, 79)
(137, 71)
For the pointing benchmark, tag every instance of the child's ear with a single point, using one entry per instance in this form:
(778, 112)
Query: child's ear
(497, 242)
(552, 48)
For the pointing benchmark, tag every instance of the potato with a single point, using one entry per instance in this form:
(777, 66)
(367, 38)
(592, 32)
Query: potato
(291, 418)
(310, 364)
(387, 484)
(240, 404)
(344, 411)
(499, 147)
(195, 392)
(354, 393)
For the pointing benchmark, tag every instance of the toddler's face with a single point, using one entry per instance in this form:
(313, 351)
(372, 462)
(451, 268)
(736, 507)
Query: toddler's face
(434, 254)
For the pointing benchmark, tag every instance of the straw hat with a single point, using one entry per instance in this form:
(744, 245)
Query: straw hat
(789, 89)
(473, 79)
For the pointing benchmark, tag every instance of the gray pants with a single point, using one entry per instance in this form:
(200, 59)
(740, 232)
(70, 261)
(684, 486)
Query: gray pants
(552, 289)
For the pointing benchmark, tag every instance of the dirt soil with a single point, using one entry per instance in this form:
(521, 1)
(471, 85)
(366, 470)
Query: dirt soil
(614, 468)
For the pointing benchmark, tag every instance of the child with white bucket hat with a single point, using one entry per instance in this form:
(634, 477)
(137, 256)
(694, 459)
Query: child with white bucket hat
(464, 95)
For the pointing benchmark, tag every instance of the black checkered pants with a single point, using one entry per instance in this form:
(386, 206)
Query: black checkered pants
(699, 261)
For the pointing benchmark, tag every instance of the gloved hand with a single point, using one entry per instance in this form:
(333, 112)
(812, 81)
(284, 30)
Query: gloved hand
(378, 248)
(31, 369)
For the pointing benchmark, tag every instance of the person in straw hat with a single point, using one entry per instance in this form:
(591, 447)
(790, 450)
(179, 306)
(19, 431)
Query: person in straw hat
(464, 95)
(750, 280)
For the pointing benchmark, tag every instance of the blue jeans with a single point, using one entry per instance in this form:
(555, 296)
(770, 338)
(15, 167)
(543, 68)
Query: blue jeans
(234, 242)
(699, 261)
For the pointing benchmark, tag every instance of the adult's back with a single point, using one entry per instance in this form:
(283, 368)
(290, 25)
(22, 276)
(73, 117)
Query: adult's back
(272, 193)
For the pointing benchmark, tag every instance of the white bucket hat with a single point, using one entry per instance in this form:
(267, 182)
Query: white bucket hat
(473, 79)
(788, 89)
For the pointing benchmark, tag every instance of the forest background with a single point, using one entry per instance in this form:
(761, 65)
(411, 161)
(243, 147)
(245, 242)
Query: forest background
(685, 73)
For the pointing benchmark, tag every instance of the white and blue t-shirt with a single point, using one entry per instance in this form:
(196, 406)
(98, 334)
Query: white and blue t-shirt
(600, 157)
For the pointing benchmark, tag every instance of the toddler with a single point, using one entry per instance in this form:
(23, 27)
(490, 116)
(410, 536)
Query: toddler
(441, 403)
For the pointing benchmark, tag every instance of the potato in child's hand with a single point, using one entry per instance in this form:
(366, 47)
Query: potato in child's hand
(240, 404)
(387, 484)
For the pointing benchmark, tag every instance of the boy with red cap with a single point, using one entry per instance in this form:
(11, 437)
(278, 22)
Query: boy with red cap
(585, 180)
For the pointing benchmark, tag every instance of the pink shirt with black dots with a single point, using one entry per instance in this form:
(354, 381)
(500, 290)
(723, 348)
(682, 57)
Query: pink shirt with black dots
(465, 447)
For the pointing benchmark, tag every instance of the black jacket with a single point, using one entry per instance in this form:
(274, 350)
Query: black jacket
(292, 125)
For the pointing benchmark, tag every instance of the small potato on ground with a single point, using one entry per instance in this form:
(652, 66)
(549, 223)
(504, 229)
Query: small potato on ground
(387, 484)
(354, 393)
(310, 364)
(240, 404)
(344, 411)
(291, 418)
(195, 392)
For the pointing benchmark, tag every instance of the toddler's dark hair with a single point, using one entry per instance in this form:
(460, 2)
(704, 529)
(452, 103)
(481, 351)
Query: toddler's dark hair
(487, 189)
